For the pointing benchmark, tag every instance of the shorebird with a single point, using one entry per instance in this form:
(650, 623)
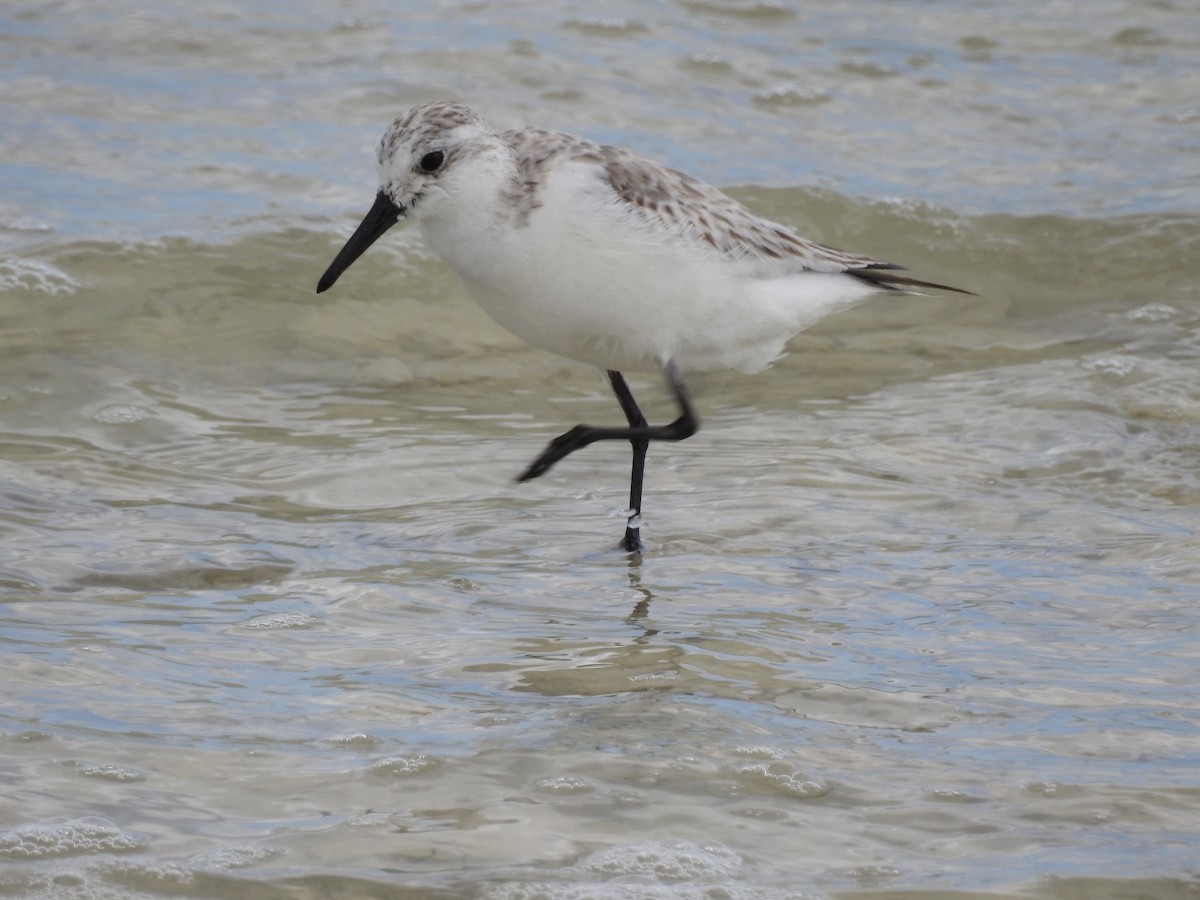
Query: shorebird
(603, 256)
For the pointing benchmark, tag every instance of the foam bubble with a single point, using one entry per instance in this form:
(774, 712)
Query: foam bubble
(110, 773)
(780, 778)
(1116, 366)
(564, 784)
(72, 837)
(238, 856)
(404, 765)
(277, 621)
(31, 275)
(357, 739)
(122, 414)
(668, 870)
(1152, 312)
(756, 751)
(140, 879)
(28, 225)
(649, 870)
(664, 861)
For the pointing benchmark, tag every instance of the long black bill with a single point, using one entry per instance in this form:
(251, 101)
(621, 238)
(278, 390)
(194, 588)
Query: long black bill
(383, 215)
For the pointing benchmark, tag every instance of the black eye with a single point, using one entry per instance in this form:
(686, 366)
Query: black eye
(431, 162)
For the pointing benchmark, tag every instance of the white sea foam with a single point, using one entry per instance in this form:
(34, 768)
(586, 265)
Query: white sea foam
(21, 274)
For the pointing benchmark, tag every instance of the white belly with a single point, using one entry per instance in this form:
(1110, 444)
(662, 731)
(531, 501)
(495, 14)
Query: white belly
(583, 279)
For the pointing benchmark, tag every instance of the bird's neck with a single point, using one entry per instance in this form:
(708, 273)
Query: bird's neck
(469, 227)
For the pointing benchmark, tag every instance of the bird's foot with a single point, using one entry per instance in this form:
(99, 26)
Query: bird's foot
(562, 446)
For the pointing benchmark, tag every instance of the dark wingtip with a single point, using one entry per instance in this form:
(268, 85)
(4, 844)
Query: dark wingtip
(882, 275)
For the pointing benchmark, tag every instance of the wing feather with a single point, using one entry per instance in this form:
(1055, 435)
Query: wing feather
(696, 211)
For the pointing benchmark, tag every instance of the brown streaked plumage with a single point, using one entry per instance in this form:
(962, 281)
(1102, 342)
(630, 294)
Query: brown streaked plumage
(688, 205)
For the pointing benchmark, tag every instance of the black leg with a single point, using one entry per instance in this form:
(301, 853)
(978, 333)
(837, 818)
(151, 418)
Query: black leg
(639, 434)
(632, 542)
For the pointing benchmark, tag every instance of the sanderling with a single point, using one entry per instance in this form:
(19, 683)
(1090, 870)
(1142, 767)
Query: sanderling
(603, 256)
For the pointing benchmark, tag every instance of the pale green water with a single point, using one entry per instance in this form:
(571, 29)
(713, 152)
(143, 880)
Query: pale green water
(918, 615)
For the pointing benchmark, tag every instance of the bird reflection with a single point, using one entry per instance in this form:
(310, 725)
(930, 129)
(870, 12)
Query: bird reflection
(641, 609)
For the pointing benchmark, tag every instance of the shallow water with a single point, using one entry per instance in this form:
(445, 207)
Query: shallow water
(918, 612)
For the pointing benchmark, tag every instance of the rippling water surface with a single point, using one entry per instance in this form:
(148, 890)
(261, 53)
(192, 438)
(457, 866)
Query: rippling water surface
(918, 612)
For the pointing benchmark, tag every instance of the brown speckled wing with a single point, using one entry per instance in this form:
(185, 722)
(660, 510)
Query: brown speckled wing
(691, 206)
(688, 204)
(695, 210)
